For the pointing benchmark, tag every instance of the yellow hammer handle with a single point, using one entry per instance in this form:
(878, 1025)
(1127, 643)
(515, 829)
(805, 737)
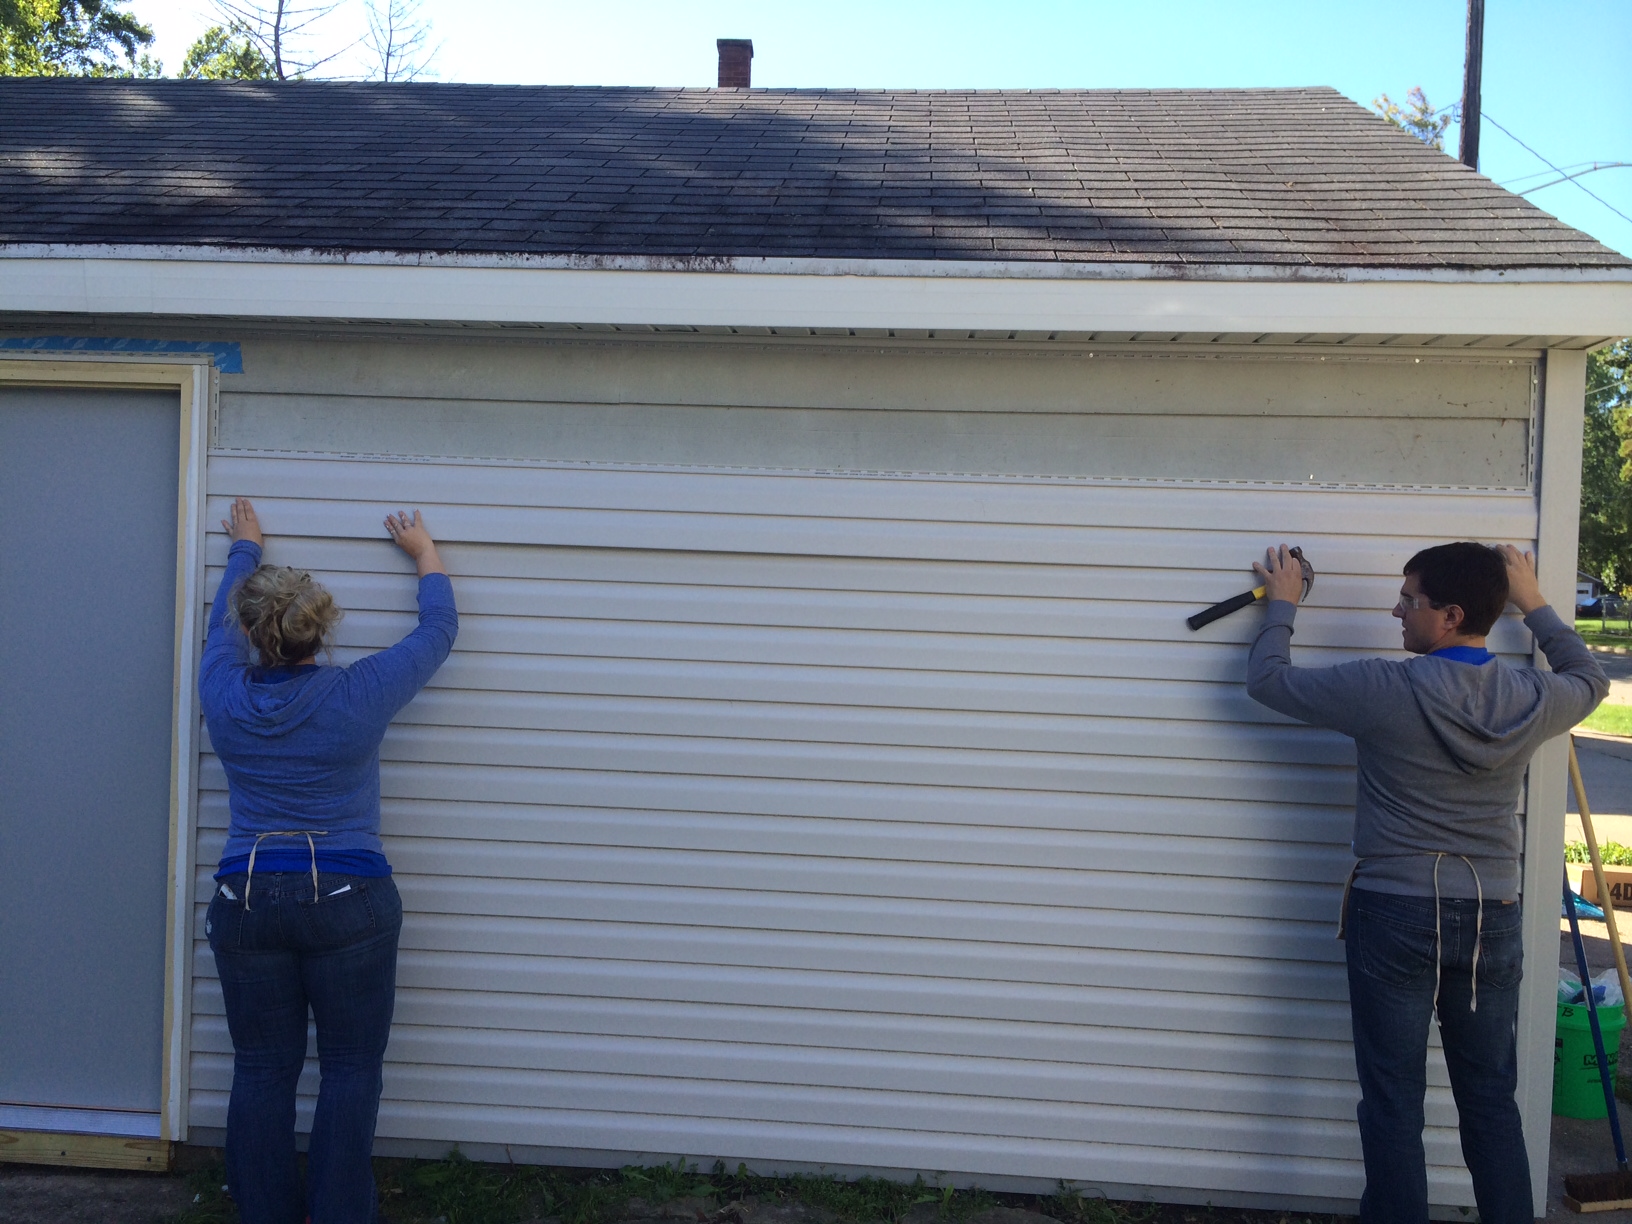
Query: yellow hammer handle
(1604, 899)
(1258, 592)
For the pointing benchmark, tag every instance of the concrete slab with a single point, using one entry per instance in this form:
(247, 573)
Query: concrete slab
(1606, 769)
(1616, 666)
(1583, 1145)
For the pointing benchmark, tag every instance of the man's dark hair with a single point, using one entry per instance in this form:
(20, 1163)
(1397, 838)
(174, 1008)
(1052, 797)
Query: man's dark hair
(1471, 576)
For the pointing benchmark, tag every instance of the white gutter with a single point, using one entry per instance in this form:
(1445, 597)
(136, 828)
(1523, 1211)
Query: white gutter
(758, 294)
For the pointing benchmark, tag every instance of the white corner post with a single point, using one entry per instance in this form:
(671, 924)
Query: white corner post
(1558, 490)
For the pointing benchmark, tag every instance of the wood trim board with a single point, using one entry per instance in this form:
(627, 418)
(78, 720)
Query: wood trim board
(85, 1151)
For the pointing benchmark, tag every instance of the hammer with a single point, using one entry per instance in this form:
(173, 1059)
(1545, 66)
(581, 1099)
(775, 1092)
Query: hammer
(1236, 602)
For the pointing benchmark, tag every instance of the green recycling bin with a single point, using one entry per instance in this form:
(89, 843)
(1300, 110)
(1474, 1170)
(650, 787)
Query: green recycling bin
(1577, 1090)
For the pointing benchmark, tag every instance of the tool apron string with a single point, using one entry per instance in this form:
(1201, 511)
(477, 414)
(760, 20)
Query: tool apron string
(1478, 923)
(310, 845)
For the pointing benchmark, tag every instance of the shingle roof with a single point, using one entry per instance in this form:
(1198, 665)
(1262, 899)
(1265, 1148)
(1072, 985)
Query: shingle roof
(1299, 177)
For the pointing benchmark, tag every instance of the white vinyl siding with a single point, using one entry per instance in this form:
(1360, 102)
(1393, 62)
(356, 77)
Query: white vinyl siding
(883, 822)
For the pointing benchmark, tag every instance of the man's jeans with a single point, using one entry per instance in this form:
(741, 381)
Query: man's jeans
(1390, 949)
(338, 956)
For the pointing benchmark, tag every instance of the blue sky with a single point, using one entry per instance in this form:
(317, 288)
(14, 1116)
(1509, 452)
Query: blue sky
(1555, 73)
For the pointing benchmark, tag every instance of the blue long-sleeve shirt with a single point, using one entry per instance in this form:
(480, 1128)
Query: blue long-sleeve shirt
(301, 745)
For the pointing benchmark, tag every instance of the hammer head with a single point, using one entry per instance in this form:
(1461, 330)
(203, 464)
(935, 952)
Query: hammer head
(1308, 570)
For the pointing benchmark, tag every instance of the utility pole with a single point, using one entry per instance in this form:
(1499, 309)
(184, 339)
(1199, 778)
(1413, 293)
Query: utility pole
(1472, 61)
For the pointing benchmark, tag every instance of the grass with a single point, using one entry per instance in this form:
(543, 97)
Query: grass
(1603, 633)
(1610, 719)
(210, 1202)
(461, 1191)
(456, 1190)
(1613, 853)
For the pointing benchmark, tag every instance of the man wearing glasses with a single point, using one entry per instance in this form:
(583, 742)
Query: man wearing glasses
(1430, 913)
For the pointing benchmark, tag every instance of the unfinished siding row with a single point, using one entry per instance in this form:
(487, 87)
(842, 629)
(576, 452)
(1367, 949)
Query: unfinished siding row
(1442, 420)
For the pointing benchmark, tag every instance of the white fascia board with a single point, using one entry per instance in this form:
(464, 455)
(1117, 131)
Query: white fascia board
(347, 288)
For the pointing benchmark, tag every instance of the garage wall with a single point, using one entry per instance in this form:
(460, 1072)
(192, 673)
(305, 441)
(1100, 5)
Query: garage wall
(893, 822)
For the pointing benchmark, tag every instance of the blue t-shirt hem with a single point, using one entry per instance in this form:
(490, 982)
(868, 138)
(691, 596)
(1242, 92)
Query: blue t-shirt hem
(286, 858)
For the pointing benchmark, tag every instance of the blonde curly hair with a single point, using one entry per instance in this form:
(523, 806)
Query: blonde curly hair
(285, 614)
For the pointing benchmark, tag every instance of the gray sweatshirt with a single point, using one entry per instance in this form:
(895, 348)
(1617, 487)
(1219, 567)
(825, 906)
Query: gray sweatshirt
(1442, 747)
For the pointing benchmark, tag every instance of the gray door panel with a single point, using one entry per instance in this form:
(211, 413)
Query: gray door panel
(87, 655)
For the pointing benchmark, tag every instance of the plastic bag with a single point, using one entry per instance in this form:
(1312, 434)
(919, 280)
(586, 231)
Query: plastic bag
(1606, 987)
(1583, 908)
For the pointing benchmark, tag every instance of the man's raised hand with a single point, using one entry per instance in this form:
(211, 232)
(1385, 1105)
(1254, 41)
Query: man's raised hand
(1522, 587)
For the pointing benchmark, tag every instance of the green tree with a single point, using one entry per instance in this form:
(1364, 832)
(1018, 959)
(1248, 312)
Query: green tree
(1606, 467)
(1418, 116)
(226, 54)
(96, 38)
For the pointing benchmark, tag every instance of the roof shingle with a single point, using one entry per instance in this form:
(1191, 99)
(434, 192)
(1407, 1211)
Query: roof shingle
(1300, 177)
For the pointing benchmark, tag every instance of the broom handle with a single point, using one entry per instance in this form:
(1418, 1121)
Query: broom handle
(1604, 899)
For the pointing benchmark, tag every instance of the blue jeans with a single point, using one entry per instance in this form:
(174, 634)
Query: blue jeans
(338, 956)
(1390, 950)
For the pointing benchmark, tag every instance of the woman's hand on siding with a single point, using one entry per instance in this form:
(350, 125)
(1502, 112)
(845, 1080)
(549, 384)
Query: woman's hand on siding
(243, 525)
(410, 535)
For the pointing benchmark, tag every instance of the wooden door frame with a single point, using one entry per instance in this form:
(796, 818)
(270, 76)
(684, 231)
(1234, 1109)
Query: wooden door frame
(193, 379)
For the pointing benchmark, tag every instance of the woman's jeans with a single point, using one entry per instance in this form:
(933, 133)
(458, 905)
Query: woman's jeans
(338, 956)
(1390, 948)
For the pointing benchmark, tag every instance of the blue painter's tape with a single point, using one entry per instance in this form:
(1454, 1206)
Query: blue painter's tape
(229, 359)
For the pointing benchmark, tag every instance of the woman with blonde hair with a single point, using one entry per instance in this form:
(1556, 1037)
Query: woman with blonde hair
(305, 914)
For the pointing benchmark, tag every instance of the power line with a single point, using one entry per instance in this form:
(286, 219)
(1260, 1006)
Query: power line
(1570, 178)
(1623, 384)
(1556, 170)
(1521, 178)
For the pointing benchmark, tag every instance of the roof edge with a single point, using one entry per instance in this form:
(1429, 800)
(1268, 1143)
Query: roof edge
(1563, 308)
(796, 266)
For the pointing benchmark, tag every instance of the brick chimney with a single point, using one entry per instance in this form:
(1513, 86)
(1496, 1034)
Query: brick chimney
(736, 62)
